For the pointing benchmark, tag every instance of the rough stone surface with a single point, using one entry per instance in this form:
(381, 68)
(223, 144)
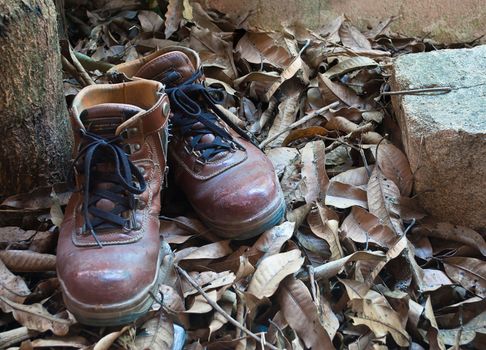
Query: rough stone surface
(444, 20)
(445, 135)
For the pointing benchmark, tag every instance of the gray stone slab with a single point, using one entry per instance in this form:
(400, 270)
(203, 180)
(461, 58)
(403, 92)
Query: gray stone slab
(445, 135)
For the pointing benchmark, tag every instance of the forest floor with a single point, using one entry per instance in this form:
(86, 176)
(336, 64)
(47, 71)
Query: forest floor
(357, 264)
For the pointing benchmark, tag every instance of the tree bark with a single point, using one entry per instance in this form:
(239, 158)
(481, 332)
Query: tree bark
(35, 137)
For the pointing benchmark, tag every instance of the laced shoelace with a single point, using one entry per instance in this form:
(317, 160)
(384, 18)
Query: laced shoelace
(99, 150)
(185, 100)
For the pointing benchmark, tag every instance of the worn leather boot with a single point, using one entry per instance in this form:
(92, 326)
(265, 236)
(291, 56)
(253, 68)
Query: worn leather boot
(109, 259)
(230, 183)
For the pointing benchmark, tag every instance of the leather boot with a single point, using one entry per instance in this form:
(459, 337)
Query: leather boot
(229, 182)
(109, 259)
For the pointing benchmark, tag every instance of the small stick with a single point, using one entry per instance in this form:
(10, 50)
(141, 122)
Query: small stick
(444, 89)
(79, 67)
(68, 67)
(221, 311)
(298, 123)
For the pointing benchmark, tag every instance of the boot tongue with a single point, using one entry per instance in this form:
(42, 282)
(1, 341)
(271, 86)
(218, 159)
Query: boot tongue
(172, 68)
(103, 119)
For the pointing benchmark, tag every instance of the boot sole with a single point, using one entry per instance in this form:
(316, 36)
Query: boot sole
(120, 314)
(249, 229)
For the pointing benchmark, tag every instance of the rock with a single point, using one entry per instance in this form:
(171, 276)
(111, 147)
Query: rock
(440, 20)
(444, 135)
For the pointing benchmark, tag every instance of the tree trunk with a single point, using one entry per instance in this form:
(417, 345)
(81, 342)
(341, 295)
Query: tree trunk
(34, 128)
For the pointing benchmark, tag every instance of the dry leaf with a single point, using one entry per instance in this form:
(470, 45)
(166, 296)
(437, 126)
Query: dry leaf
(200, 304)
(383, 200)
(314, 172)
(324, 223)
(351, 37)
(227, 302)
(394, 165)
(209, 251)
(466, 333)
(434, 338)
(287, 113)
(173, 17)
(272, 270)
(208, 280)
(11, 286)
(156, 333)
(107, 341)
(58, 342)
(341, 195)
(469, 272)
(28, 261)
(299, 134)
(150, 21)
(362, 227)
(35, 317)
(349, 65)
(374, 311)
(271, 241)
(299, 310)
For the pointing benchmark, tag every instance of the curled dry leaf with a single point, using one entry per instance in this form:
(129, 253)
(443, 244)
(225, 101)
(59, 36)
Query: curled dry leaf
(341, 92)
(324, 223)
(200, 305)
(394, 165)
(434, 279)
(287, 113)
(28, 261)
(432, 334)
(173, 17)
(362, 227)
(227, 303)
(469, 272)
(107, 341)
(448, 231)
(156, 333)
(332, 268)
(351, 37)
(208, 280)
(210, 251)
(383, 200)
(271, 241)
(466, 333)
(373, 310)
(314, 172)
(301, 313)
(349, 65)
(299, 134)
(341, 195)
(35, 317)
(11, 286)
(272, 270)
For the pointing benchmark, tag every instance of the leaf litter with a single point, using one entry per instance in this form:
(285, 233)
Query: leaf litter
(356, 264)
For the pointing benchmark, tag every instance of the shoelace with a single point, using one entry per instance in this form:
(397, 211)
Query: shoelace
(185, 100)
(101, 150)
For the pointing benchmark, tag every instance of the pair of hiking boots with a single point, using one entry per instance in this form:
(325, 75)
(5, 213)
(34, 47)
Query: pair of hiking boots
(109, 256)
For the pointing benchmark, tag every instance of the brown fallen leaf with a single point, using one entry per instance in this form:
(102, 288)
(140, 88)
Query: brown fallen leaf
(173, 17)
(383, 200)
(156, 333)
(324, 223)
(209, 251)
(299, 134)
(434, 279)
(287, 113)
(150, 21)
(373, 310)
(351, 37)
(448, 231)
(301, 313)
(107, 341)
(11, 286)
(362, 227)
(28, 261)
(77, 342)
(200, 305)
(272, 270)
(432, 333)
(342, 195)
(208, 280)
(271, 241)
(36, 317)
(314, 172)
(341, 92)
(227, 302)
(332, 268)
(394, 165)
(466, 333)
(469, 272)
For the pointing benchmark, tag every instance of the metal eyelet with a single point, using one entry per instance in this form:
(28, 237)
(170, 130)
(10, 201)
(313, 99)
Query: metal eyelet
(141, 169)
(137, 146)
(165, 108)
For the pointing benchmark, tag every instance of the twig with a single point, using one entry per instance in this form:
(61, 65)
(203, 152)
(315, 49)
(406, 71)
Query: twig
(221, 311)
(298, 123)
(67, 66)
(79, 67)
(443, 90)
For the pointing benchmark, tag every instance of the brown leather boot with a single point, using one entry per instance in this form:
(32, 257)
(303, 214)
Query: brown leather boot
(109, 258)
(230, 183)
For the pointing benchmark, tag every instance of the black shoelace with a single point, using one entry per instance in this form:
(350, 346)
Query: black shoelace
(123, 180)
(189, 102)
